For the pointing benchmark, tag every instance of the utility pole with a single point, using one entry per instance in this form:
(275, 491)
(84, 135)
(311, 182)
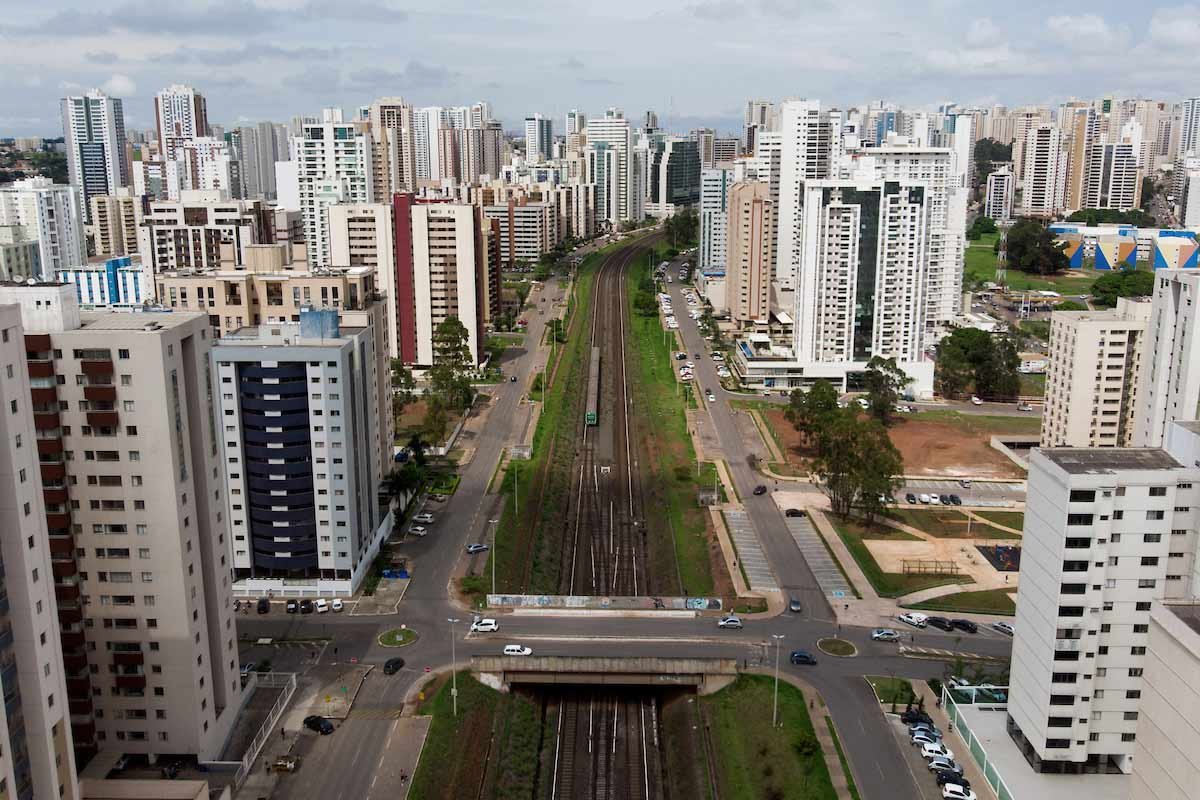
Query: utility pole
(495, 552)
(775, 702)
(454, 669)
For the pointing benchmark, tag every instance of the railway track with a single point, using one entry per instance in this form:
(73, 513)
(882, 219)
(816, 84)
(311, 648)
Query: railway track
(606, 747)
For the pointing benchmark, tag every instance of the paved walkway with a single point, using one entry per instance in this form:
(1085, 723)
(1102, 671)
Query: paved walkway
(824, 568)
(336, 697)
(399, 759)
(751, 557)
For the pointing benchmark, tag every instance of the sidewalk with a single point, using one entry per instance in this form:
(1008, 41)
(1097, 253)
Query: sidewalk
(399, 759)
(963, 754)
(335, 698)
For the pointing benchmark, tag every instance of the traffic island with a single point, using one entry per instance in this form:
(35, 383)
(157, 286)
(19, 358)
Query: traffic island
(397, 637)
(837, 647)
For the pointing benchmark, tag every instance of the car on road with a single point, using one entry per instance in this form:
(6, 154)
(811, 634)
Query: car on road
(965, 625)
(955, 500)
(794, 512)
(912, 715)
(322, 606)
(336, 604)
(954, 791)
(264, 605)
(512, 378)
(760, 489)
(438, 498)
(1024, 407)
(730, 622)
(318, 724)
(711, 397)
(794, 605)
(392, 666)
(950, 776)
(418, 530)
(472, 549)
(862, 401)
(934, 750)
(803, 657)
(965, 483)
(690, 365)
(424, 517)
(306, 607)
(517, 650)
(292, 606)
(485, 625)
(925, 499)
(942, 764)
(941, 623)
(915, 619)
(681, 356)
(1003, 627)
(885, 635)
(910, 498)
(975, 401)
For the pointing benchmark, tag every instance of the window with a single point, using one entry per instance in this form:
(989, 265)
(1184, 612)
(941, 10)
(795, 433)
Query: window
(1137, 651)
(1058, 722)
(1155, 514)
(1118, 515)
(1058, 744)
(1146, 583)
(1064, 677)
(1141, 607)
(1149, 561)
(1135, 672)
(1079, 519)
(1133, 694)
(1153, 537)
(1158, 491)
(1083, 495)
(1128, 737)
(1076, 542)
(1062, 699)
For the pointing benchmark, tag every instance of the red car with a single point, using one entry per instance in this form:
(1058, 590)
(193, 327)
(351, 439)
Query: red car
(522, 322)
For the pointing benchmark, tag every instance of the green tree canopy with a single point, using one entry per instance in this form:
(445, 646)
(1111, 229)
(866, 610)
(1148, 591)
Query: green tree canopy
(449, 379)
(857, 463)
(808, 410)
(1032, 249)
(1101, 216)
(973, 359)
(1122, 283)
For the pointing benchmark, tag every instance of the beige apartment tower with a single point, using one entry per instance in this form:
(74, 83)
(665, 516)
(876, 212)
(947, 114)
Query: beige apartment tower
(114, 226)
(751, 251)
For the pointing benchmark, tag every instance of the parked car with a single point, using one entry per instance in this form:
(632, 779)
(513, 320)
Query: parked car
(925, 499)
(418, 530)
(946, 501)
(934, 750)
(794, 605)
(1003, 627)
(392, 666)
(306, 607)
(318, 724)
(1024, 407)
(941, 623)
(953, 791)
(472, 549)
(264, 605)
(911, 498)
(942, 764)
(803, 657)
(794, 512)
(965, 483)
(885, 635)
(484, 626)
(955, 500)
(922, 738)
(935, 500)
(517, 650)
(292, 606)
(730, 622)
(927, 728)
(513, 378)
(911, 715)
(760, 489)
(322, 606)
(965, 625)
(917, 620)
(950, 776)
(424, 518)
(336, 604)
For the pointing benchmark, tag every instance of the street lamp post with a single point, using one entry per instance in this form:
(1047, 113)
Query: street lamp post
(495, 553)
(454, 669)
(775, 701)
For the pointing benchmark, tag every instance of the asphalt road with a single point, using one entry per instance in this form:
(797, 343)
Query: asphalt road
(344, 765)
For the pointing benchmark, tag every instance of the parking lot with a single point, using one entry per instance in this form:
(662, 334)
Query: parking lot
(980, 493)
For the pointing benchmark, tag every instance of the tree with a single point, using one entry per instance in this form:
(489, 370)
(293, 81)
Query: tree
(1148, 190)
(1100, 216)
(880, 466)
(1122, 283)
(1070, 305)
(1032, 249)
(996, 373)
(981, 226)
(682, 226)
(416, 445)
(448, 379)
(403, 479)
(971, 358)
(885, 383)
(857, 464)
(807, 410)
(433, 427)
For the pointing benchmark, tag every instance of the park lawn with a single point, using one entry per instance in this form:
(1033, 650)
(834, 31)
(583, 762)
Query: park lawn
(887, 584)
(1033, 386)
(982, 423)
(991, 601)
(445, 771)
(879, 531)
(980, 268)
(892, 690)
(946, 523)
(1009, 519)
(757, 761)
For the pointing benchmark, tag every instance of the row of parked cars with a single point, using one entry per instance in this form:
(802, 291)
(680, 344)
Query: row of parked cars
(939, 758)
(919, 620)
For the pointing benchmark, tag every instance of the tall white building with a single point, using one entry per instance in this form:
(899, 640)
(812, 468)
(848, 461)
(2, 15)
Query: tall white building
(180, 113)
(1106, 533)
(334, 166)
(998, 199)
(36, 759)
(1112, 177)
(394, 154)
(1189, 132)
(539, 138)
(1169, 383)
(806, 139)
(576, 122)
(94, 137)
(714, 217)
(50, 213)
(1044, 172)
(204, 163)
(759, 116)
(613, 133)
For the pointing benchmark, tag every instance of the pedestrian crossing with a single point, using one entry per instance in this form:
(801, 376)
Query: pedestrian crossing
(939, 653)
(391, 712)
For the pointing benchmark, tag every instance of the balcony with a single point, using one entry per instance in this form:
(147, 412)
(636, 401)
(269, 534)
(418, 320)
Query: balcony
(70, 615)
(41, 369)
(37, 343)
(78, 687)
(47, 421)
(49, 447)
(67, 593)
(58, 521)
(129, 659)
(64, 569)
(55, 495)
(43, 394)
(75, 662)
(72, 640)
(53, 473)
(102, 419)
(130, 681)
(81, 706)
(62, 546)
(102, 394)
(95, 368)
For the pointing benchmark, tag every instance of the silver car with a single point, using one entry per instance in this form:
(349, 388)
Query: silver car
(729, 622)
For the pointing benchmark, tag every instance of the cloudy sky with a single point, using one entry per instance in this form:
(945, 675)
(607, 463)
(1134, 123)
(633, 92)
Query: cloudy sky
(694, 62)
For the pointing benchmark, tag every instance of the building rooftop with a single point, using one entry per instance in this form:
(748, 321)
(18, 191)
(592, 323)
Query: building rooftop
(1188, 613)
(1191, 425)
(1106, 461)
(163, 319)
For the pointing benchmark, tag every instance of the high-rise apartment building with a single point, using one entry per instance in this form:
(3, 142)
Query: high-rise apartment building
(180, 113)
(526, 230)
(121, 282)
(134, 509)
(393, 146)
(576, 122)
(204, 163)
(714, 217)
(725, 149)
(1043, 173)
(50, 213)
(603, 170)
(1169, 383)
(202, 231)
(1092, 380)
(751, 252)
(335, 166)
(612, 131)
(998, 197)
(20, 257)
(1113, 178)
(673, 176)
(1106, 532)
(114, 223)
(805, 155)
(539, 138)
(759, 116)
(1189, 130)
(299, 409)
(1023, 120)
(36, 759)
(94, 137)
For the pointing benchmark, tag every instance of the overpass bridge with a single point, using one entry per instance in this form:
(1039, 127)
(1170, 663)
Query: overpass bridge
(706, 675)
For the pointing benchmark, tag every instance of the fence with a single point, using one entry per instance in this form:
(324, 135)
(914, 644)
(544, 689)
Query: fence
(929, 567)
(270, 680)
(975, 746)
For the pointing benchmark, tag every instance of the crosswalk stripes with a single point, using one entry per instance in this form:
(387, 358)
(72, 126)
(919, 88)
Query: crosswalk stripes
(374, 713)
(941, 653)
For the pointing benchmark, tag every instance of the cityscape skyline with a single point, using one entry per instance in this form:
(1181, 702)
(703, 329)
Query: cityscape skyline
(273, 59)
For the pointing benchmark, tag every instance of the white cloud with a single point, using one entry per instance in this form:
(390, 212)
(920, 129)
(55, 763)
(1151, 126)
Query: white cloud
(120, 86)
(983, 32)
(1085, 31)
(1179, 25)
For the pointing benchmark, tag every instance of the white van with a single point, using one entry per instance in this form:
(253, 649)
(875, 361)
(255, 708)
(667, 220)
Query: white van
(916, 619)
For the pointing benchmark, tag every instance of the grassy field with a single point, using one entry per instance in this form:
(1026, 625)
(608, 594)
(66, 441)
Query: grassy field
(667, 453)
(992, 601)
(442, 773)
(887, 584)
(1033, 386)
(757, 761)
(1009, 519)
(892, 690)
(947, 523)
(974, 423)
(980, 268)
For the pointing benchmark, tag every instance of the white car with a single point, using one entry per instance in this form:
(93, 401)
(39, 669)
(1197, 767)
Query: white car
(924, 498)
(934, 500)
(336, 604)
(729, 622)
(885, 635)
(322, 605)
(975, 401)
(424, 518)
(952, 791)
(1003, 627)
(936, 750)
(862, 401)
(922, 738)
(914, 619)
(484, 626)
(517, 650)
(418, 530)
